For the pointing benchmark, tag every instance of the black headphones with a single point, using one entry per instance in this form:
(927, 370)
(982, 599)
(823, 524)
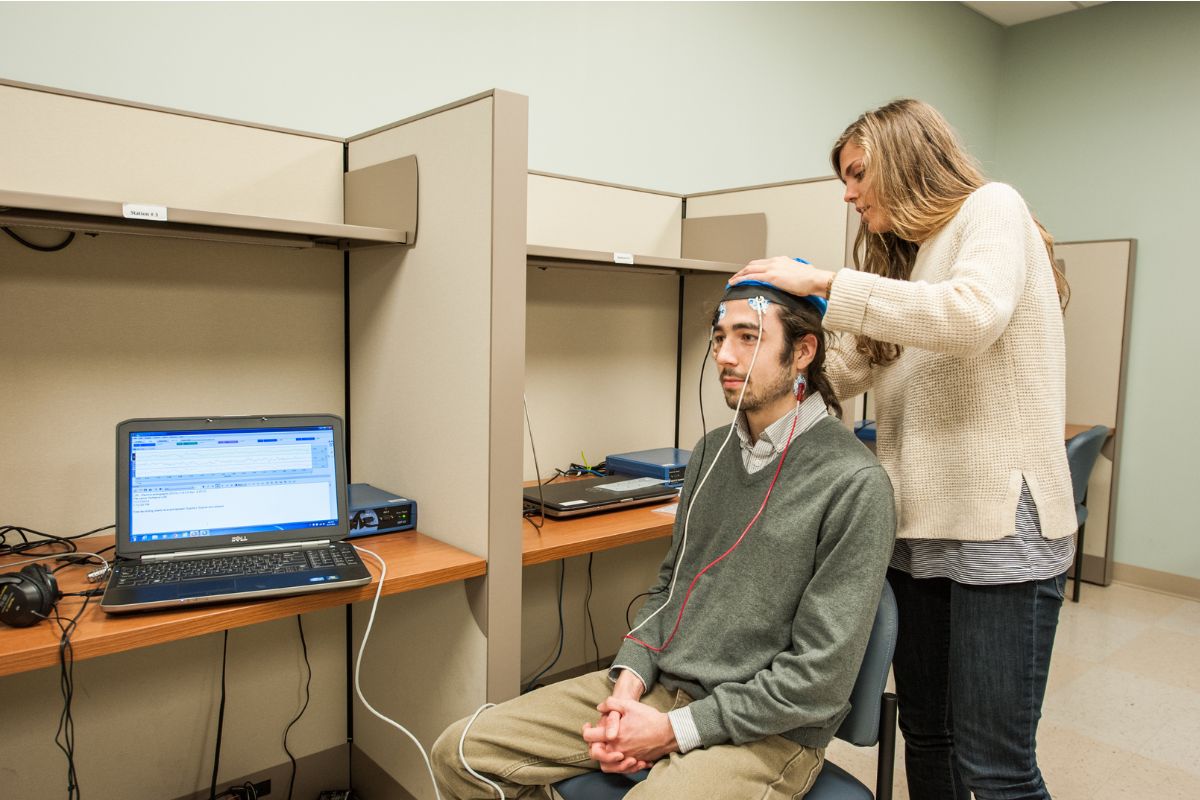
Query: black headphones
(27, 597)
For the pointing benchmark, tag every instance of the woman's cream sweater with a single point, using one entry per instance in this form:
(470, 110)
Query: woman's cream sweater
(976, 400)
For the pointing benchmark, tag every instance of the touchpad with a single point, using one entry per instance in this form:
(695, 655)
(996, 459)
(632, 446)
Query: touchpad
(207, 589)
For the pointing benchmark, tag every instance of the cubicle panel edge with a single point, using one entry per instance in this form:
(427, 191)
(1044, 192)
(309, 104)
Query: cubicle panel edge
(510, 163)
(859, 407)
(1100, 274)
(758, 186)
(181, 112)
(609, 184)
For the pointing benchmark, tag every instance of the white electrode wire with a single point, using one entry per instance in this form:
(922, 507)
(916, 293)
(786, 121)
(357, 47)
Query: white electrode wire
(688, 516)
(358, 666)
(463, 758)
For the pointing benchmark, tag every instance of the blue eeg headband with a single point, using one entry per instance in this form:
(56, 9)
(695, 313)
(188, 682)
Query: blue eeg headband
(751, 289)
(779, 295)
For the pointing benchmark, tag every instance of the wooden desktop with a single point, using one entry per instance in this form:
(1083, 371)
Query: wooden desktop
(414, 561)
(576, 536)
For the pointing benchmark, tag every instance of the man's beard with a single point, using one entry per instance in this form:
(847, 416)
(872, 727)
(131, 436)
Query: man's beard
(762, 395)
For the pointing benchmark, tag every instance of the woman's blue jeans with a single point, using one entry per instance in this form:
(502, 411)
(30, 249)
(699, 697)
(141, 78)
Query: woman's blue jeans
(971, 667)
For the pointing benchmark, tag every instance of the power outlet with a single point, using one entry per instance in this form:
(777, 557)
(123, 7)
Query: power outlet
(262, 788)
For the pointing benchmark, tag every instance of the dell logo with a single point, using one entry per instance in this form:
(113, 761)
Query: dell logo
(239, 538)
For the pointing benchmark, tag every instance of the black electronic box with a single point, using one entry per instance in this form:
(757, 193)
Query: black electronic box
(374, 511)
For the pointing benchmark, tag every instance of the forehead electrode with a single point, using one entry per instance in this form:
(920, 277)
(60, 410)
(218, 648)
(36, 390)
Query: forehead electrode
(759, 304)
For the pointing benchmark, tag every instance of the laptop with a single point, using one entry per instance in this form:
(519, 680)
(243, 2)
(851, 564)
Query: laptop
(590, 495)
(214, 509)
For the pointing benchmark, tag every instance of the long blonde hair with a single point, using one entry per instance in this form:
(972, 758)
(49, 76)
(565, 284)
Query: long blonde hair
(921, 176)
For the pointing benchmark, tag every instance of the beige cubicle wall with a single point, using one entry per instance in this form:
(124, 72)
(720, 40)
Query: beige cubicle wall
(600, 365)
(600, 373)
(1097, 324)
(90, 148)
(588, 215)
(436, 360)
(117, 326)
(600, 340)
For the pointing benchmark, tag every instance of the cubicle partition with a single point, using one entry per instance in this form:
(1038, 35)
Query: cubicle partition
(117, 326)
(1097, 321)
(223, 268)
(436, 355)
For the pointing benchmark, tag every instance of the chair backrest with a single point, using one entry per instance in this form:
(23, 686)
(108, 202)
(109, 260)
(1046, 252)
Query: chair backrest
(861, 725)
(1082, 451)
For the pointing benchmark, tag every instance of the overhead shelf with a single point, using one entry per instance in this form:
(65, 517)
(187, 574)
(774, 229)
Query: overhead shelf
(383, 195)
(542, 256)
(87, 215)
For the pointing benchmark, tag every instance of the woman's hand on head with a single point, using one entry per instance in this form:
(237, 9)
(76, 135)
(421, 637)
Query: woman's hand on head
(787, 274)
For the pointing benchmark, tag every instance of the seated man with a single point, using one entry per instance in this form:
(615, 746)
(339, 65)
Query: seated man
(738, 671)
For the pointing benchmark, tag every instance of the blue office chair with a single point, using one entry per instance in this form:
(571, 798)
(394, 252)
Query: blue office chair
(872, 719)
(1082, 451)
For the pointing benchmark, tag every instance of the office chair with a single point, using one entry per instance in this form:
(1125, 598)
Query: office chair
(1082, 451)
(872, 719)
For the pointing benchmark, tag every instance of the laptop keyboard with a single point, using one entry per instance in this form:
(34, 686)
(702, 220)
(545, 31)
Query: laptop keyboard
(339, 554)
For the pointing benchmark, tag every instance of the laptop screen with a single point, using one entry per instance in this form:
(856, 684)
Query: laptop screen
(203, 486)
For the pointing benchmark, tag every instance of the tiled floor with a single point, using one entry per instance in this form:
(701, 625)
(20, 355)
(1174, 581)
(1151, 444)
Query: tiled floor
(1122, 711)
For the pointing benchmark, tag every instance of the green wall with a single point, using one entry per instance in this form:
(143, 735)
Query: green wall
(676, 96)
(1098, 118)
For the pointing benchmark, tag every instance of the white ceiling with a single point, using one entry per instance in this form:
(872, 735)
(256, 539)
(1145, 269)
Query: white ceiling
(1008, 13)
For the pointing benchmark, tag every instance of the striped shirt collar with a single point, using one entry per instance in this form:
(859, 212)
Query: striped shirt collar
(756, 455)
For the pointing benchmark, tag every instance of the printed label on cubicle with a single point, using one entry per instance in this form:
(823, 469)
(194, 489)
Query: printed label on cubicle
(143, 211)
(623, 258)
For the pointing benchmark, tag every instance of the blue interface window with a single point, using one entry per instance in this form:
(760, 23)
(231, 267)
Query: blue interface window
(186, 484)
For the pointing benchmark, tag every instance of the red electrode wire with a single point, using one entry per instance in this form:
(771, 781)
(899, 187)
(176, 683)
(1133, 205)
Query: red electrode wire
(733, 547)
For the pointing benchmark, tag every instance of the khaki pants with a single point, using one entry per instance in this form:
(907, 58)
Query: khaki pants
(536, 740)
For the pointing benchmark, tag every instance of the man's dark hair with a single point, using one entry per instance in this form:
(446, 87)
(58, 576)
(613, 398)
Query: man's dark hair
(798, 321)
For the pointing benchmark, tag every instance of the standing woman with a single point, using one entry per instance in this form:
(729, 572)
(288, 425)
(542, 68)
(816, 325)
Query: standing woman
(953, 321)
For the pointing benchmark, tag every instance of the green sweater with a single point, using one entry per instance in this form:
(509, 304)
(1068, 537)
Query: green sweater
(773, 635)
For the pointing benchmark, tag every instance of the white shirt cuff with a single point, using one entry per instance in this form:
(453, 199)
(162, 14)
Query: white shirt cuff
(686, 734)
(615, 671)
